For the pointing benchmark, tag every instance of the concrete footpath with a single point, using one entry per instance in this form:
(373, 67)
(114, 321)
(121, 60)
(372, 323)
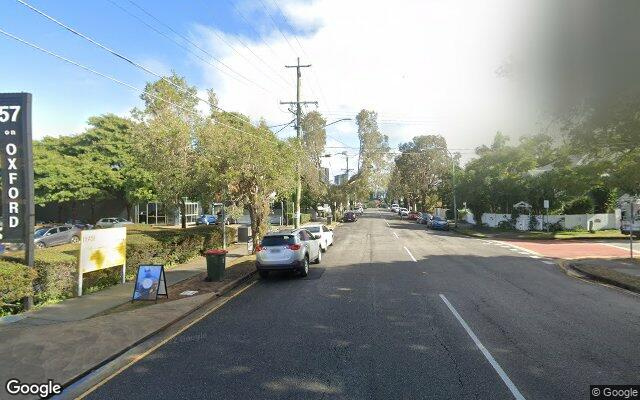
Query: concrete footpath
(623, 273)
(66, 340)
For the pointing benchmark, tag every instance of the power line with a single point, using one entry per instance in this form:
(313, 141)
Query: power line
(266, 10)
(250, 25)
(120, 82)
(315, 74)
(184, 47)
(253, 52)
(122, 57)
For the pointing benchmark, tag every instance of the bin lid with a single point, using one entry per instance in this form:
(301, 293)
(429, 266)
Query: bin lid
(215, 252)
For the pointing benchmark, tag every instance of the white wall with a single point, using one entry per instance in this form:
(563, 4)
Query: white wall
(600, 221)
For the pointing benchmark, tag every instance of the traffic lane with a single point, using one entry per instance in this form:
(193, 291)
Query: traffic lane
(362, 330)
(554, 335)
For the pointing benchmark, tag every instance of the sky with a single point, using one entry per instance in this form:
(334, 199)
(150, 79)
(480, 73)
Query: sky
(426, 66)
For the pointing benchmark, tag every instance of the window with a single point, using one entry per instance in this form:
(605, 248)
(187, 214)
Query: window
(278, 240)
(325, 229)
(314, 229)
(63, 228)
(52, 231)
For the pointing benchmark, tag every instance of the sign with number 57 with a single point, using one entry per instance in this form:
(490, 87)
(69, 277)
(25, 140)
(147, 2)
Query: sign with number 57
(9, 113)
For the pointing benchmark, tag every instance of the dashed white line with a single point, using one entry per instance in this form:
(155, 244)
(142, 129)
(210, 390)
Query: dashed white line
(514, 390)
(548, 262)
(410, 255)
(387, 222)
(396, 235)
(530, 256)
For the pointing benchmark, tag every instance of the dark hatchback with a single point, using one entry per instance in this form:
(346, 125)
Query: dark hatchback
(350, 216)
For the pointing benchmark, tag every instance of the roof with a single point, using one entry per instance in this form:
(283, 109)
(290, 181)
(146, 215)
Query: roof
(282, 232)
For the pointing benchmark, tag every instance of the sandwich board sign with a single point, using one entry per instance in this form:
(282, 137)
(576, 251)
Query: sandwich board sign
(100, 249)
(150, 283)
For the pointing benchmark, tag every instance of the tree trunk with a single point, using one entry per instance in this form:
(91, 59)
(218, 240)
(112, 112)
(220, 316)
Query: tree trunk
(183, 214)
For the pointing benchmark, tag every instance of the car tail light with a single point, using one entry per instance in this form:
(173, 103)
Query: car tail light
(259, 248)
(294, 247)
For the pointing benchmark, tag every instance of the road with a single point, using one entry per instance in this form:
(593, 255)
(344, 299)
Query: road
(372, 323)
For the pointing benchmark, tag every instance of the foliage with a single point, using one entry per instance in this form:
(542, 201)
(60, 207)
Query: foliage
(16, 282)
(96, 164)
(579, 205)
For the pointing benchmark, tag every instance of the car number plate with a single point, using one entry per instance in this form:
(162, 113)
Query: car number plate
(274, 251)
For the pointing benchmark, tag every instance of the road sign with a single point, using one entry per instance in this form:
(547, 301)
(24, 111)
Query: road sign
(546, 203)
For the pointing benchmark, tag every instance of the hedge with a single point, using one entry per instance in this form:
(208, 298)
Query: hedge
(15, 282)
(55, 273)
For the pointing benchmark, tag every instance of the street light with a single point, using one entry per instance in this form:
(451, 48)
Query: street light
(299, 177)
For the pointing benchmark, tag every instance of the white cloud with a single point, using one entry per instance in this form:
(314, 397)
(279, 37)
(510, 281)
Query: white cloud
(430, 62)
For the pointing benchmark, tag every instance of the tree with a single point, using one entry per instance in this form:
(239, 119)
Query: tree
(314, 139)
(165, 140)
(252, 165)
(373, 155)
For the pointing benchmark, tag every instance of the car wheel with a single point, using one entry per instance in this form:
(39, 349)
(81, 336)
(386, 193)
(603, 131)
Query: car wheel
(263, 274)
(75, 239)
(324, 248)
(40, 245)
(305, 267)
(319, 259)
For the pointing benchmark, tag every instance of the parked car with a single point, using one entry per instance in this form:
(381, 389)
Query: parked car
(403, 212)
(350, 216)
(394, 208)
(424, 218)
(413, 215)
(439, 223)
(112, 222)
(206, 219)
(55, 235)
(79, 224)
(323, 233)
(284, 250)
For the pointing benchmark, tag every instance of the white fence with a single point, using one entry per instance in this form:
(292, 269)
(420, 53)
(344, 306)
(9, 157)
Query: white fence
(580, 221)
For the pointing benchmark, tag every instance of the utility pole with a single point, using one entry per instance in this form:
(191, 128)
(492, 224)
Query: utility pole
(298, 105)
(346, 170)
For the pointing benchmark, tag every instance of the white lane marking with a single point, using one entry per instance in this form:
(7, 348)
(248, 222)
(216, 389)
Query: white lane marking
(525, 250)
(548, 262)
(387, 222)
(514, 390)
(523, 253)
(410, 255)
(530, 256)
(396, 235)
(515, 250)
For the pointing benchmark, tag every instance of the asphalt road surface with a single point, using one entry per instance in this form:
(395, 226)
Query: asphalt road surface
(468, 319)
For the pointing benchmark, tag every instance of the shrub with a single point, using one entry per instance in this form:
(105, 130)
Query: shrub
(16, 282)
(579, 205)
(506, 225)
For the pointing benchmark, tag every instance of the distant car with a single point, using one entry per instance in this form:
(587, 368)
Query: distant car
(403, 212)
(56, 235)
(79, 224)
(413, 215)
(206, 219)
(439, 223)
(323, 233)
(350, 216)
(287, 250)
(424, 218)
(394, 208)
(112, 222)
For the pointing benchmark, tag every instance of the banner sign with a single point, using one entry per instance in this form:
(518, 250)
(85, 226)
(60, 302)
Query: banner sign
(150, 283)
(100, 249)
(17, 167)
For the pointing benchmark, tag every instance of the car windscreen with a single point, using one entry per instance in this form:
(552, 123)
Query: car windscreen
(313, 229)
(278, 240)
(40, 232)
(438, 219)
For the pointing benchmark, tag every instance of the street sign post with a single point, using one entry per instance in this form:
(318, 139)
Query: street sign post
(546, 207)
(18, 213)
